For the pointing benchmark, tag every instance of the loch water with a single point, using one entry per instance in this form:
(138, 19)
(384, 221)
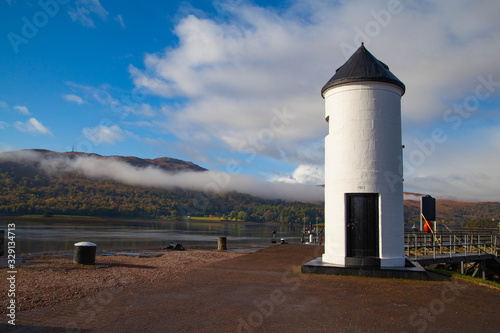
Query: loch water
(37, 236)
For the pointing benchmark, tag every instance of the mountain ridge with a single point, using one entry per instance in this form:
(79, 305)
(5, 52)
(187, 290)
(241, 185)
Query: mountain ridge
(24, 161)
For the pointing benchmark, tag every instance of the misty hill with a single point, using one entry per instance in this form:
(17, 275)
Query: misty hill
(31, 162)
(40, 181)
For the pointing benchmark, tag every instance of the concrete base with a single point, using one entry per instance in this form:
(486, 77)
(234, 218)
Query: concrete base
(362, 262)
(412, 270)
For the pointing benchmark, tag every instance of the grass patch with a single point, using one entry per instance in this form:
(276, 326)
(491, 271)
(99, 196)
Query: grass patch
(217, 219)
(465, 277)
(59, 217)
(205, 218)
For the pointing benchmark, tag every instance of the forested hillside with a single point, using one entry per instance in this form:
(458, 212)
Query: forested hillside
(71, 195)
(453, 213)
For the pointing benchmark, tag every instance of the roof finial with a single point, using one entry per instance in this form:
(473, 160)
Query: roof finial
(362, 43)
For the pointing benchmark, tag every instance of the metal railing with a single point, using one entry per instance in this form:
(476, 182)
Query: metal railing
(449, 243)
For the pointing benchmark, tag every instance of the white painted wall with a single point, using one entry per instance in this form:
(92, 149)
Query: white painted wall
(363, 154)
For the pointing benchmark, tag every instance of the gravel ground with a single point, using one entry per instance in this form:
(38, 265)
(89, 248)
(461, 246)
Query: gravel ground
(46, 280)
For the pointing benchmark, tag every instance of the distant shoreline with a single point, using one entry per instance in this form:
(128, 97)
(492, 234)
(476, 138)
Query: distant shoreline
(66, 218)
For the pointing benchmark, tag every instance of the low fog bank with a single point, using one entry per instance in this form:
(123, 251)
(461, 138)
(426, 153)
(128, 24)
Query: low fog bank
(208, 181)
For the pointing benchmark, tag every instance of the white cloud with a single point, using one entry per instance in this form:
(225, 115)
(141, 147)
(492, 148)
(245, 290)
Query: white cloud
(276, 56)
(119, 19)
(304, 174)
(22, 109)
(101, 95)
(104, 95)
(107, 134)
(262, 59)
(32, 126)
(3, 124)
(3, 105)
(144, 110)
(73, 98)
(234, 86)
(456, 167)
(84, 11)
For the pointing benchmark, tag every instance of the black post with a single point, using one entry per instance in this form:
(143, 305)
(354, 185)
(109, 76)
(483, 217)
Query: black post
(2, 239)
(221, 243)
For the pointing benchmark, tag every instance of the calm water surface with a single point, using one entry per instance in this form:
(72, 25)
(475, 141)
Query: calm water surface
(41, 236)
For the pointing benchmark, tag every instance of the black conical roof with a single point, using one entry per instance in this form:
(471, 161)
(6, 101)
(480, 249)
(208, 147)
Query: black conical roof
(362, 66)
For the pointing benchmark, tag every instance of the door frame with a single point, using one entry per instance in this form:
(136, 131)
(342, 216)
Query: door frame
(370, 234)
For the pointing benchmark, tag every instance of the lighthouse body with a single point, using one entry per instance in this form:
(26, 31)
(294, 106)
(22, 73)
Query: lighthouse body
(364, 220)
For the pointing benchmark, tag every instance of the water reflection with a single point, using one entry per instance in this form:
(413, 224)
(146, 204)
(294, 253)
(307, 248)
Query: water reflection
(41, 236)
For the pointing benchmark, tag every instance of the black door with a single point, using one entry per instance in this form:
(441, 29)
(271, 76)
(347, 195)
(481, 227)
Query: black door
(362, 225)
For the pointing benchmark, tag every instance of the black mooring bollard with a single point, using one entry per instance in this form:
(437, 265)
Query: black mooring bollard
(84, 253)
(222, 243)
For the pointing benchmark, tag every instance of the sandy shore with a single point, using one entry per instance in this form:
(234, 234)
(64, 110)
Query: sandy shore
(45, 280)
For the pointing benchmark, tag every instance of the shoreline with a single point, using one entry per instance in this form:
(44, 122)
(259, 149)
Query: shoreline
(55, 218)
(232, 248)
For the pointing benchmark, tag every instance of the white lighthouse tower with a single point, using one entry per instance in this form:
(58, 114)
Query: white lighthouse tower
(363, 165)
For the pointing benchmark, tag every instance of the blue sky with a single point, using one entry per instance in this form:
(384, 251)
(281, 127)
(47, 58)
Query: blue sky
(228, 83)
